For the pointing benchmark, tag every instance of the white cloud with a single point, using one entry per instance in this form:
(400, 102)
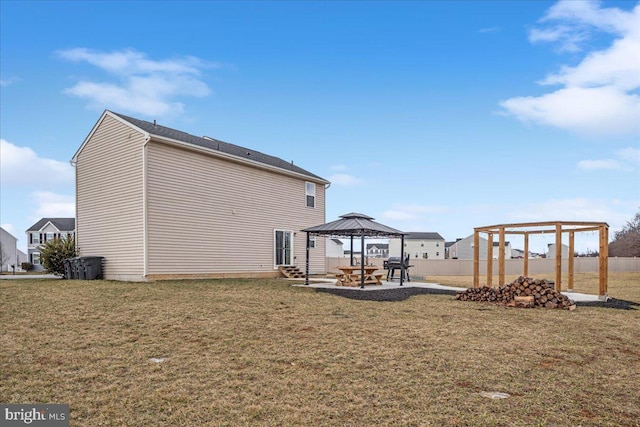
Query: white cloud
(52, 205)
(345, 180)
(628, 159)
(21, 166)
(630, 154)
(599, 164)
(9, 82)
(142, 85)
(599, 95)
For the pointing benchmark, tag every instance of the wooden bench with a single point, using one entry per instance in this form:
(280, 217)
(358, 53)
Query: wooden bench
(378, 277)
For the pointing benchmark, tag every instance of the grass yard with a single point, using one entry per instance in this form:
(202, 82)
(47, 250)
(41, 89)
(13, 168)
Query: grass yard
(264, 353)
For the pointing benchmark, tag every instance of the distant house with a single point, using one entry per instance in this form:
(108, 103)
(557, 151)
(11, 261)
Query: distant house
(160, 203)
(551, 252)
(496, 250)
(425, 245)
(463, 248)
(335, 248)
(44, 230)
(377, 250)
(8, 251)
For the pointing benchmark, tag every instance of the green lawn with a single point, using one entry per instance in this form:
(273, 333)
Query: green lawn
(261, 352)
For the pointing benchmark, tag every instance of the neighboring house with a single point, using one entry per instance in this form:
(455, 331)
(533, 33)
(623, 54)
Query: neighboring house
(8, 251)
(425, 245)
(377, 250)
(496, 250)
(44, 230)
(551, 252)
(334, 248)
(159, 203)
(463, 248)
(22, 257)
(519, 253)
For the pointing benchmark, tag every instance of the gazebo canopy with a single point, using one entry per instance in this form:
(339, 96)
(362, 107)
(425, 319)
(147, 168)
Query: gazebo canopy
(354, 224)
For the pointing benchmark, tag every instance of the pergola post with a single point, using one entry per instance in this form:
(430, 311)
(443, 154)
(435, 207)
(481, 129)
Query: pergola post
(603, 264)
(571, 260)
(476, 258)
(351, 255)
(489, 259)
(525, 266)
(501, 257)
(558, 257)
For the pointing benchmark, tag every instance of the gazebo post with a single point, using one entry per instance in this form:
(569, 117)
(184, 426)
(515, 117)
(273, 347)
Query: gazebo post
(306, 274)
(362, 261)
(351, 255)
(401, 259)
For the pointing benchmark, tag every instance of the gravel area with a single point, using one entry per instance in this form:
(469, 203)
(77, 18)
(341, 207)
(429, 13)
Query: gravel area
(400, 294)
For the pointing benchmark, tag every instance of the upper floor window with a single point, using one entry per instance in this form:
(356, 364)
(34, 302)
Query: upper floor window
(310, 189)
(35, 238)
(50, 236)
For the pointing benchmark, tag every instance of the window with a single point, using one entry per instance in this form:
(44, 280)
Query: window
(35, 258)
(49, 236)
(437, 244)
(422, 244)
(437, 253)
(425, 255)
(312, 241)
(35, 238)
(310, 189)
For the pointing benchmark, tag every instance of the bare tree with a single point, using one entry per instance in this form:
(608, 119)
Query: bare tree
(626, 242)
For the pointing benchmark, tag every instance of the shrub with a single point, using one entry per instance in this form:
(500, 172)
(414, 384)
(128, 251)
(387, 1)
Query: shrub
(26, 266)
(54, 252)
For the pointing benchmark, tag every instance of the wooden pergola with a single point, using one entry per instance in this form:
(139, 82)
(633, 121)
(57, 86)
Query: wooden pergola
(528, 228)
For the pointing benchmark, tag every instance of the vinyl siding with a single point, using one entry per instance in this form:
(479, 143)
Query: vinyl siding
(109, 199)
(207, 215)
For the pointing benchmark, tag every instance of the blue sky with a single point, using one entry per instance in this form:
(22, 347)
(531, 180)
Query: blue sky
(428, 116)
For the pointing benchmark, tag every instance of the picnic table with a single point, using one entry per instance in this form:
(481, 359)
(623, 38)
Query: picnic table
(351, 276)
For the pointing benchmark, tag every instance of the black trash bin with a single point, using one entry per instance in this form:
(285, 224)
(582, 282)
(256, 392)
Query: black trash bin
(74, 263)
(91, 267)
(68, 270)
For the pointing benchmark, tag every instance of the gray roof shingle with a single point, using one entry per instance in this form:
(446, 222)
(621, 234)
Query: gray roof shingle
(423, 236)
(62, 224)
(216, 145)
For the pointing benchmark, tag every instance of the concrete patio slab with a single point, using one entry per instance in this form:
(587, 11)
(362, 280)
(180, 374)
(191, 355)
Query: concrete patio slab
(331, 284)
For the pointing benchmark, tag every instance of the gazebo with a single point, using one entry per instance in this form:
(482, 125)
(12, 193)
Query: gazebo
(354, 225)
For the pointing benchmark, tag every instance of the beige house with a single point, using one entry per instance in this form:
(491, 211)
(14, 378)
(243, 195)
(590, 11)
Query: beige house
(419, 245)
(160, 203)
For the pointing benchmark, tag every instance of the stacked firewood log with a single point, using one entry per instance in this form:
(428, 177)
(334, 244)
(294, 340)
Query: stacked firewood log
(522, 292)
